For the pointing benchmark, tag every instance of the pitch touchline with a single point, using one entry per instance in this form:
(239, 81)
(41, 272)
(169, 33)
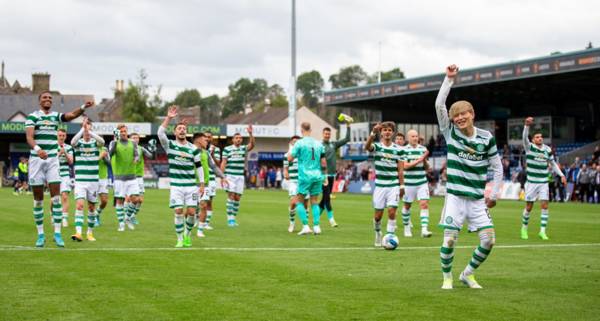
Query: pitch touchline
(277, 249)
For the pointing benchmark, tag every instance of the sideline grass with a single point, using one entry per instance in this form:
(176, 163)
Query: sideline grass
(242, 277)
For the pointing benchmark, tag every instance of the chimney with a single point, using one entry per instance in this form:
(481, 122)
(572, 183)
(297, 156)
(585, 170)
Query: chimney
(40, 82)
(267, 104)
(119, 90)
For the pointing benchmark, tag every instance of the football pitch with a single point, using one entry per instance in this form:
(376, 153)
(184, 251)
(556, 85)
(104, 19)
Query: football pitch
(259, 271)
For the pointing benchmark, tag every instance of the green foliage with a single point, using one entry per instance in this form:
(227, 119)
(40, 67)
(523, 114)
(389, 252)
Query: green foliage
(138, 104)
(349, 76)
(244, 92)
(393, 74)
(310, 85)
(188, 98)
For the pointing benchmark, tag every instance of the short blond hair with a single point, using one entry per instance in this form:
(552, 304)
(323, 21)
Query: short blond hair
(460, 107)
(119, 126)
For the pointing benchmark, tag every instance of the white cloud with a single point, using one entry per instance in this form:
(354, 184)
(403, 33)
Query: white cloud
(207, 45)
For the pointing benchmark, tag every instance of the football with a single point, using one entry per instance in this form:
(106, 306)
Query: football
(390, 241)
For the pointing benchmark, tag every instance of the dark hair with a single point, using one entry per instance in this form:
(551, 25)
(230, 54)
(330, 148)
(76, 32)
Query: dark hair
(305, 126)
(400, 134)
(134, 134)
(294, 137)
(181, 123)
(44, 92)
(326, 129)
(197, 135)
(389, 124)
(237, 134)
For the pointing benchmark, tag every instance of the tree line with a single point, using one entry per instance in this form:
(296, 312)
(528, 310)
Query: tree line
(141, 105)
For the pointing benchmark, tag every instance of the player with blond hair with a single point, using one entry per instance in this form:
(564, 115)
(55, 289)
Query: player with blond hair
(471, 152)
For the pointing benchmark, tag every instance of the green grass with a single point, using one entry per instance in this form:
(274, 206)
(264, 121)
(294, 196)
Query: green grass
(149, 281)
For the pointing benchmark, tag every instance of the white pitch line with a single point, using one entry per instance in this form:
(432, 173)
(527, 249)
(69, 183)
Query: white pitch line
(277, 249)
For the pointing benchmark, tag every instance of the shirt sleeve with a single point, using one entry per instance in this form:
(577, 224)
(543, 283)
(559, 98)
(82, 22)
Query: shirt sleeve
(295, 149)
(440, 106)
(162, 137)
(30, 121)
(526, 142)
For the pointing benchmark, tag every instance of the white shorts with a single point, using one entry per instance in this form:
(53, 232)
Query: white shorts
(181, 196)
(457, 209)
(534, 192)
(386, 197)
(103, 186)
(412, 193)
(65, 184)
(293, 190)
(236, 184)
(209, 191)
(87, 191)
(140, 181)
(42, 171)
(126, 188)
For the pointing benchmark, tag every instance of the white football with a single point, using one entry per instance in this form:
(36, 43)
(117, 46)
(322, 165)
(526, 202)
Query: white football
(390, 241)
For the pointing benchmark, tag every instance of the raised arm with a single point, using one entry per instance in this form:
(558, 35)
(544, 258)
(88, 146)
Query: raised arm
(440, 101)
(344, 140)
(146, 152)
(252, 141)
(77, 136)
(162, 130)
(526, 143)
(98, 138)
(77, 111)
(369, 144)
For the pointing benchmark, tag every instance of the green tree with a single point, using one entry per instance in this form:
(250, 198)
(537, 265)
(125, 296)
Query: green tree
(138, 104)
(188, 98)
(211, 109)
(244, 92)
(310, 85)
(348, 77)
(392, 74)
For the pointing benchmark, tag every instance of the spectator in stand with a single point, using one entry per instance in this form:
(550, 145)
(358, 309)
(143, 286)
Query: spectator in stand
(597, 184)
(559, 185)
(596, 154)
(262, 177)
(583, 180)
(364, 174)
(371, 174)
(278, 177)
(505, 151)
(506, 169)
(272, 177)
(592, 173)
(572, 178)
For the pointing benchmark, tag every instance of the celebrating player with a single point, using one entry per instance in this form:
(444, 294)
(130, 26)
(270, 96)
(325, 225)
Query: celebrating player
(103, 164)
(417, 188)
(184, 159)
(290, 172)
(65, 160)
(471, 151)
(389, 181)
(234, 159)
(41, 131)
(539, 157)
(215, 152)
(139, 174)
(86, 145)
(311, 166)
(124, 157)
(330, 149)
(210, 172)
